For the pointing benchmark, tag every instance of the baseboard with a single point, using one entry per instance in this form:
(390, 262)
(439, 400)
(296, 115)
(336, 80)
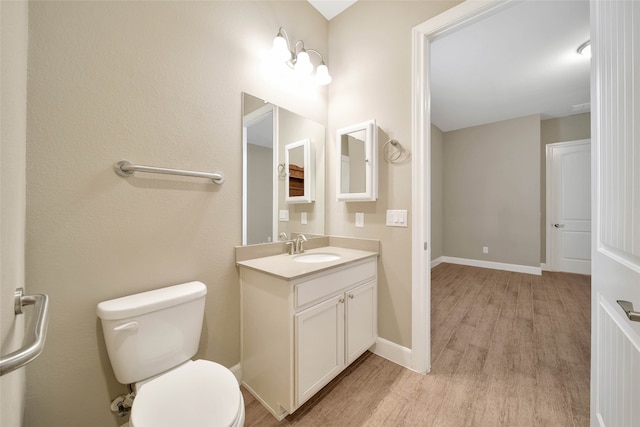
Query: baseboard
(436, 262)
(277, 416)
(394, 352)
(236, 370)
(494, 265)
(544, 266)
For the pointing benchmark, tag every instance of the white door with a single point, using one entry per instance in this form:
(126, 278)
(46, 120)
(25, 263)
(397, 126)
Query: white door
(361, 321)
(615, 364)
(569, 206)
(319, 346)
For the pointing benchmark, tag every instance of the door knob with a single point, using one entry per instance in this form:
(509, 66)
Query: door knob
(558, 225)
(628, 309)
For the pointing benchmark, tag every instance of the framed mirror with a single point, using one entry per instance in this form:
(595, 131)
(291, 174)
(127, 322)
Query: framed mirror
(357, 172)
(267, 130)
(299, 185)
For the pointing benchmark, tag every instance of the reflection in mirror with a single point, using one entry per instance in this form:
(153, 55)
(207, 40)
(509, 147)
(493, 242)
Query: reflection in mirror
(299, 184)
(357, 175)
(352, 162)
(266, 214)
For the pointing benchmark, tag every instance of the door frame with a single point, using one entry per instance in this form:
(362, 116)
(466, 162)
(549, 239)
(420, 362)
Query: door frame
(249, 120)
(423, 35)
(551, 265)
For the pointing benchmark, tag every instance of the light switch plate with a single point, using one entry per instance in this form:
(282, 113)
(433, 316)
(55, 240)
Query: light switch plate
(397, 218)
(284, 215)
(303, 218)
(359, 219)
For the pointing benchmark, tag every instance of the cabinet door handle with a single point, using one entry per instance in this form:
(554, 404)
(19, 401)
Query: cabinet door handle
(351, 296)
(341, 300)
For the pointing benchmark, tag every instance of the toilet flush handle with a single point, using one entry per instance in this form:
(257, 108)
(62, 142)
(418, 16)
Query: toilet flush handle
(129, 326)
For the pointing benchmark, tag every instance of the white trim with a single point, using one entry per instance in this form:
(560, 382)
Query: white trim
(544, 266)
(420, 205)
(236, 370)
(493, 265)
(247, 121)
(394, 352)
(436, 262)
(421, 148)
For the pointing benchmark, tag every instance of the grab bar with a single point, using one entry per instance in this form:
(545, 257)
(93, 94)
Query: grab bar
(34, 338)
(127, 168)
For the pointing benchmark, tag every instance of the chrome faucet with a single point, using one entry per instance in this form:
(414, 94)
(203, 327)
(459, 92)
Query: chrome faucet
(299, 242)
(290, 247)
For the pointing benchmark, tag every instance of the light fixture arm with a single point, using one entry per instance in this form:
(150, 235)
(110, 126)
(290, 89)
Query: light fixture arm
(298, 57)
(283, 33)
(317, 53)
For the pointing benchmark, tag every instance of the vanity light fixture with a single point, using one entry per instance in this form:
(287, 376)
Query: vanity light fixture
(298, 57)
(585, 49)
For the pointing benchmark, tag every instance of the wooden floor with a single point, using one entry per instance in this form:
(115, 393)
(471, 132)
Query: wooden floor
(508, 349)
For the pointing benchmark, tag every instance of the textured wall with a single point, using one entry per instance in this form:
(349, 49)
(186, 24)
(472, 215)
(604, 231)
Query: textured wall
(492, 192)
(157, 83)
(370, 51)
(13, 116)
(437, 196)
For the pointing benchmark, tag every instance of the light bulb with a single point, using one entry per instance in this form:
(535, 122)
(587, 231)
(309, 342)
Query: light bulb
(280, 50)
(322, 75)
(303, 63)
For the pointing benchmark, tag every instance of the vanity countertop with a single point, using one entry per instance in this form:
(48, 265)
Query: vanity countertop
(284, 266)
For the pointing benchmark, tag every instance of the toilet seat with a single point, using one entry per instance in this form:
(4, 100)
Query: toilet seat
(197, 394)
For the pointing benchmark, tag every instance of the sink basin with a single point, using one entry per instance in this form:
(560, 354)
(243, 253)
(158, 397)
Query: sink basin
(316, 257)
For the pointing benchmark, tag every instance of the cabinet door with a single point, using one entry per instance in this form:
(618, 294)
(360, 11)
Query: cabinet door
(361, 320)
(319, 346)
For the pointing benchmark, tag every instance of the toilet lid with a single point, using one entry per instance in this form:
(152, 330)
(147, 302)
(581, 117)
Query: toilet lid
(198, 394)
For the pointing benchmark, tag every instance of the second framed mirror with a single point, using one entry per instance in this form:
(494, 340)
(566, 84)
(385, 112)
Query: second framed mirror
(357, 172)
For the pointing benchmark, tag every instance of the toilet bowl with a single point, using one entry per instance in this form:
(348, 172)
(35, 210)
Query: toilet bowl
(197, 393)
(150, 338)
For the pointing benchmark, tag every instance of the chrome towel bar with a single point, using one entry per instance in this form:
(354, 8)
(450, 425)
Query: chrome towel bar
(34, 337)
(127, 168)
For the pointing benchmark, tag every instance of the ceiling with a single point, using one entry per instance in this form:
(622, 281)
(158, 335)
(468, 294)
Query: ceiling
(519, 61)
(331, 8)
(522, 60)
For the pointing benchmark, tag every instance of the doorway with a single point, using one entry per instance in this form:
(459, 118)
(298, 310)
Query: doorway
(568, 224)
(447, 24)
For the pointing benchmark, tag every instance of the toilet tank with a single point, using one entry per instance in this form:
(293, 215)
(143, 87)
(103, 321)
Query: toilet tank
(151, 332)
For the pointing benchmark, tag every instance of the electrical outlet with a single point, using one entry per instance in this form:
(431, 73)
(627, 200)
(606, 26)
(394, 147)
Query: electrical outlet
(283, 215)
(485, 249)
(359, 219)
(303, 218)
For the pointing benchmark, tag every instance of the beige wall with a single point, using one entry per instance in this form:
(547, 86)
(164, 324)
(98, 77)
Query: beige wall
(437, 196)
(370, 54)
(13, 116)
(492, 192)
(562, 129)
(157, 83)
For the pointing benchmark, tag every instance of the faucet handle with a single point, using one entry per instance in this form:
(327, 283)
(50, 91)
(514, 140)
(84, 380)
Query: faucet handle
(299, 241)
(290, 248)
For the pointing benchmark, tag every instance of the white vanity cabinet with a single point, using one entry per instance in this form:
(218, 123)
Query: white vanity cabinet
(298, 334)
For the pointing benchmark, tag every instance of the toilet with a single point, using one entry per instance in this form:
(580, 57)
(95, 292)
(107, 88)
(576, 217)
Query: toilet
(151, 338)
